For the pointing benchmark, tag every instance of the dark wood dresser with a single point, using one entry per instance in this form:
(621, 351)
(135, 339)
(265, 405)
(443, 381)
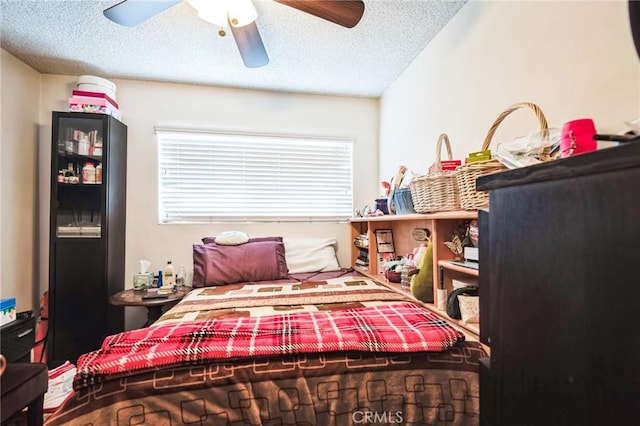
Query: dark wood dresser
(18, 338)
(560, 292)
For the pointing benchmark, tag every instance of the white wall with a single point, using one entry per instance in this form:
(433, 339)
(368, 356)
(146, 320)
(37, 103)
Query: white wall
(574, 59)
(146, 104)
(19, 171)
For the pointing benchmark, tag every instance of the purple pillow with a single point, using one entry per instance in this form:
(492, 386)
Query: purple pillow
(212, 240)
(219, 265)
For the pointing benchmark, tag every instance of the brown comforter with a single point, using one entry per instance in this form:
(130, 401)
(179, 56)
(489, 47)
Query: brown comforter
(326, 388)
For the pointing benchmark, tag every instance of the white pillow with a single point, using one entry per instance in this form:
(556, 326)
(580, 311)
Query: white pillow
(231, 238)
(310, 255)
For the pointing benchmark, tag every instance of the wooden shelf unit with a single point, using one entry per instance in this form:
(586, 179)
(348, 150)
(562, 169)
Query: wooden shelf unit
(457, 268)
(442, 226)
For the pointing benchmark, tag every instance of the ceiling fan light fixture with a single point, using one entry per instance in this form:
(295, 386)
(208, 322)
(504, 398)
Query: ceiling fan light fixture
(239, 16)
(241, 12)
(221, 12)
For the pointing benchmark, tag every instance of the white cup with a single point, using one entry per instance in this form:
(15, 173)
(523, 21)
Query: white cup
(442, 299)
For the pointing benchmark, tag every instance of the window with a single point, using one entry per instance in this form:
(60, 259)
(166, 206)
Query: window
(221, 177)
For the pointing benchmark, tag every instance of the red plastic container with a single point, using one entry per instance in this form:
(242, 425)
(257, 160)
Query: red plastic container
(577, 137)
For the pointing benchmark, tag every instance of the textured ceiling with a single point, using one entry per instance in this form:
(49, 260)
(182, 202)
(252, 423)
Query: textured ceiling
(307, 54)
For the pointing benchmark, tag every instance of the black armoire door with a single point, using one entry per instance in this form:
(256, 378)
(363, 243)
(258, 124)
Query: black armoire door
(87, 232)
(561, 261)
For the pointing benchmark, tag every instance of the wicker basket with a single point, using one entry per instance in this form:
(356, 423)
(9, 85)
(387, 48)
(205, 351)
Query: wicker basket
(470, 199)
(437, 191)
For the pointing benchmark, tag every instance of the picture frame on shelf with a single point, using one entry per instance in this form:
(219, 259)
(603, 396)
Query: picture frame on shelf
(384, 241)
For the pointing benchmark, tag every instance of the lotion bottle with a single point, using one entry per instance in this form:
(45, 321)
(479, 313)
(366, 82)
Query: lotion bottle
(169, 277)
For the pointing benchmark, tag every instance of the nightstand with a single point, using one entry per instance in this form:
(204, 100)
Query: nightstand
(154, 306)
(24, 385)
(18, 338)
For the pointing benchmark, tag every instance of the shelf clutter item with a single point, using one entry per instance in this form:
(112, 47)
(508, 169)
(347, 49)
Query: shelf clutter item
(453, 302)
(361, 241)
(441, 297)
(7, 310)
(81, 142)
(402, 201)
(89, 231)
(392, 276)
(471, 254)
(60, 386)
(91, 83)
(470, 199)
(469, 308)
(460, 282)
(381, 204)
(437, 191)
(526, 150)
(399, 194)
(577, 137)
(89, 173)
(94, 95)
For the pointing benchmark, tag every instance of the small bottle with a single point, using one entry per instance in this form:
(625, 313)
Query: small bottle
(169, 274)
(99, 173)
(160, 278)
(68, 173)
(182, 273)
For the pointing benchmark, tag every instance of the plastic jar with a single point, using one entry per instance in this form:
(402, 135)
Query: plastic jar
(89, 173)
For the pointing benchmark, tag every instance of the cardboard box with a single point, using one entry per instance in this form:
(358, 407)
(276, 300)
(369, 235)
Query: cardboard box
(479, 156)
(471, 254)
(7, 310)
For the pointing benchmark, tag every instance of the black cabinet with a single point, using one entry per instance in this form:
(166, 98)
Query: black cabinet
(87, 232)
(560, 255)
(18, 338)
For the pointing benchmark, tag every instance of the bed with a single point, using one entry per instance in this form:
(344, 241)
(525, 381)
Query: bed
(320, 348)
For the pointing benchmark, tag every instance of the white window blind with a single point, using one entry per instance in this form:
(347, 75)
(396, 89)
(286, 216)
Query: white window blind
(221, 177)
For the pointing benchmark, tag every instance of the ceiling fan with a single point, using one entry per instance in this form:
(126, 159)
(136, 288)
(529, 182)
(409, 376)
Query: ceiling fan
(239, 16)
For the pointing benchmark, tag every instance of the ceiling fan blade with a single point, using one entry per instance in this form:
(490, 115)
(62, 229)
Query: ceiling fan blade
(132, 12)
(250, 45)
(342, 12)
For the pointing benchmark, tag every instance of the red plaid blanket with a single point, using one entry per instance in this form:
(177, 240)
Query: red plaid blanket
(397, 327)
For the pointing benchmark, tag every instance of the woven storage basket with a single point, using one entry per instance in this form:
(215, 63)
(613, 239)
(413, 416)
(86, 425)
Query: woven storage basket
(470, 199)
(437, 191)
